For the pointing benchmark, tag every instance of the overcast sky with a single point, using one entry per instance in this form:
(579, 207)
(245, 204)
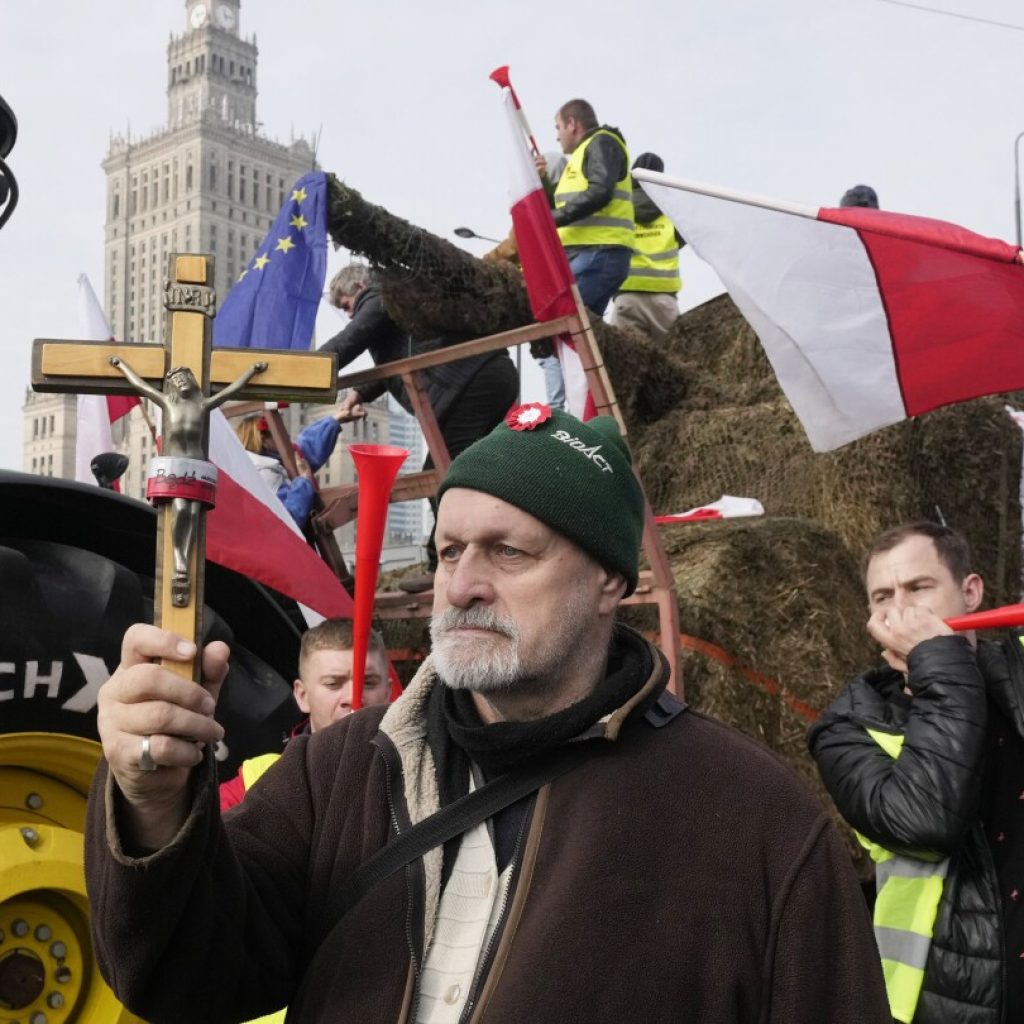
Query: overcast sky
(793, 98)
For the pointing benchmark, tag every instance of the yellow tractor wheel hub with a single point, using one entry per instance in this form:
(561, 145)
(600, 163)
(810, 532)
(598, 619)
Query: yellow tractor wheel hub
(48, 974)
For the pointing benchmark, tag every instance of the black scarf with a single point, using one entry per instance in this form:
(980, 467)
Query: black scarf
(457, 735)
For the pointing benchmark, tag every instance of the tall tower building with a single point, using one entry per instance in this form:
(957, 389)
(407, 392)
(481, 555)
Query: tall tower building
(207, 182)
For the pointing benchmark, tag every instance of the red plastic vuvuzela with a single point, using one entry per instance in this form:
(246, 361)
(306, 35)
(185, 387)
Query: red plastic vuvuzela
(1007, 617)
(500, 75)
(377, 466)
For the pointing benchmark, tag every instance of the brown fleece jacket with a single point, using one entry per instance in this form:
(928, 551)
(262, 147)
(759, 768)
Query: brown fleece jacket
(682, 874)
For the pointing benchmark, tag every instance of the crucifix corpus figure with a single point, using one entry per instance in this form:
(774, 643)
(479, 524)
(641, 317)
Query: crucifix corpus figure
(181, 473)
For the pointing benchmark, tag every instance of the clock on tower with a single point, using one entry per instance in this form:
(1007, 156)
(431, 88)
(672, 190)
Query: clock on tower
(197, 15)
(224, 15)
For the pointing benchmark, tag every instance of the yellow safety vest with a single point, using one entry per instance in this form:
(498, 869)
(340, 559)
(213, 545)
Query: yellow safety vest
(613, 223)
(655, 263)
(907, 904)
(251, 770)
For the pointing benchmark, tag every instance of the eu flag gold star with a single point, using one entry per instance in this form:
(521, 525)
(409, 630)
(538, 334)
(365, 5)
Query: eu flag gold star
(241, 276)
(284, 244)
(299, 194)
(261, 262)
(300, 222)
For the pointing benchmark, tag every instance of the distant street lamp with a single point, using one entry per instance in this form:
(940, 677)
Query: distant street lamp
(470, 233)
(1016, 184)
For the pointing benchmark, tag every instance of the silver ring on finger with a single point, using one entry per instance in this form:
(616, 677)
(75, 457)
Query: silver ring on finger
(146, 762)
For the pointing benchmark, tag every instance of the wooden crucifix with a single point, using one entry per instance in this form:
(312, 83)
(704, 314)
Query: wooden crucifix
(187, 378)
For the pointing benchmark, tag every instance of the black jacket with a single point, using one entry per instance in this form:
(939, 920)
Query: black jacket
(372, 330)
(928, 803)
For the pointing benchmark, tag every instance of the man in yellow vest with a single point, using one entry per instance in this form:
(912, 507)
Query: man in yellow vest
(593, 202)
(647, 299)
(924, 757)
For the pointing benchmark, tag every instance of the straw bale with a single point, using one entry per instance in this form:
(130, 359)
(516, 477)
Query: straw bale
(784, 598)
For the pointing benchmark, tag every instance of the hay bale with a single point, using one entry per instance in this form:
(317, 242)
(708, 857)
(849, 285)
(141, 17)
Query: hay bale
(784, 598)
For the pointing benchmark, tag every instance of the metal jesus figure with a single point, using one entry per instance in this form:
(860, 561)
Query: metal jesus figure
(181, 473)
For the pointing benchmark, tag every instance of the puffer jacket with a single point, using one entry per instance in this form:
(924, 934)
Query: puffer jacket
(926, 803)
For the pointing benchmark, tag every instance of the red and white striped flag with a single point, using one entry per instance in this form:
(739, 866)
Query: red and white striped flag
(546, 270)
(728, 506)
(251, 532)
(96, 413)
(866, 316)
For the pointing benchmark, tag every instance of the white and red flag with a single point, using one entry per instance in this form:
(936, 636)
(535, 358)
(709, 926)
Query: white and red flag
(728, 506)
(545, 266)
(251, 532)
(867, 316)
(96, 413)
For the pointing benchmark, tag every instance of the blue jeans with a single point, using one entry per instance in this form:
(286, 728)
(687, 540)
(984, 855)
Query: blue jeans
(599, 271)
(554, 385)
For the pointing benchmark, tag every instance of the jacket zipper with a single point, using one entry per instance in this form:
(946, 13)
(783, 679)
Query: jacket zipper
(485, 960)
(408, 881)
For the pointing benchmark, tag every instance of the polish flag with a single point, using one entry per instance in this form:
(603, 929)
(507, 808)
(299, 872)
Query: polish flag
(728, 506)
(867, 317)
(251, 532)
(546, 270)
(96, 413)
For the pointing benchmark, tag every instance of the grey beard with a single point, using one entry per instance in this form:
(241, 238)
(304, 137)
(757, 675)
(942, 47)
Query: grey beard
(474, 663)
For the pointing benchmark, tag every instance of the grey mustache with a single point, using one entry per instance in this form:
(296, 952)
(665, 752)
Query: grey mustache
(475, 618)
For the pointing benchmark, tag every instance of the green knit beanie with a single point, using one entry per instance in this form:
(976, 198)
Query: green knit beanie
(575, 477)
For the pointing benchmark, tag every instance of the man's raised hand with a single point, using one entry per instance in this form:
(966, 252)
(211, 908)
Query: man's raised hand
(141, 701)
(900, 630)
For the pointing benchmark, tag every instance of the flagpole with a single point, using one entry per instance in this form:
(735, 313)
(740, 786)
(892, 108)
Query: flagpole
(1016, 185)
(730, 195)
(500, 77)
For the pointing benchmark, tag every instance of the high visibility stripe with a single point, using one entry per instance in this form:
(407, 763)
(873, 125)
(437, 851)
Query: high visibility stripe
(903, 985)
(660, 256)
(903, 947)
(594, 221)
(906, 867)
(255, 767)
(617, 193)
(650, 272)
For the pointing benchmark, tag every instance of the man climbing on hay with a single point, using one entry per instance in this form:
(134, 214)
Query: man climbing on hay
(607, 856)
(924, 757)
(469, 396)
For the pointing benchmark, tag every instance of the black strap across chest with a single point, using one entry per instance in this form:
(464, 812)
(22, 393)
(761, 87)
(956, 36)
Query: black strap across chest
(470, 810)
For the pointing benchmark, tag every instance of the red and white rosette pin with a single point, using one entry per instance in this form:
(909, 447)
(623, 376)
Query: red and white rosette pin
(174, 477)
(528, 416)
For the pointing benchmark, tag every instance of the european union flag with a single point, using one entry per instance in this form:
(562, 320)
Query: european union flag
(275, 301)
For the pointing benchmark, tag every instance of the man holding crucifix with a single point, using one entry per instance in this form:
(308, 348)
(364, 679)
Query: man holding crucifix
(536, 831)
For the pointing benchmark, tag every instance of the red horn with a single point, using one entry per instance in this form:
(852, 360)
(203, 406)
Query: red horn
(500, 75)
(377, 466)
(995, 618)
